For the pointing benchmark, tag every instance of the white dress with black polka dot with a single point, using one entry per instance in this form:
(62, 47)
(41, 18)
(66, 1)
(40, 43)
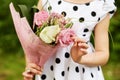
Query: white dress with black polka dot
(85, 17)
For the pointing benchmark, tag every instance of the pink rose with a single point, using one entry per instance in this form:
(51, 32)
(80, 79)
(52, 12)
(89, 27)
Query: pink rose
(40, 17)
(56, 15)
(64, 37)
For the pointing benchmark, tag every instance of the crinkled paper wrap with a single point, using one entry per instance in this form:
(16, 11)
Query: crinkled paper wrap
(35, 50)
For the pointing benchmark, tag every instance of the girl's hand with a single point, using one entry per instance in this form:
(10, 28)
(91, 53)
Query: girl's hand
(78, 49)
(31, 70)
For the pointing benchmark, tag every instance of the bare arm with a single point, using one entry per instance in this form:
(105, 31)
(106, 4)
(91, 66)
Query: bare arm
(101, 54)
(39, 5)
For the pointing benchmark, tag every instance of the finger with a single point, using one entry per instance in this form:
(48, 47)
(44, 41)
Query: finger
(26, 78)
(75, 44)
(32, 65)
(80, 40)
(34, 71)
(27, 75)
(77, 39)
(83, 45)
(84, 51)
(41, 68)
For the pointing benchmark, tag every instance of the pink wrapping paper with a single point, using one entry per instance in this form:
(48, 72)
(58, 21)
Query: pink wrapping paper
(35, 50)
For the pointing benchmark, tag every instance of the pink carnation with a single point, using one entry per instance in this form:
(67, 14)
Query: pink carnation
(40, 17)
(56, 15)
(64, 37)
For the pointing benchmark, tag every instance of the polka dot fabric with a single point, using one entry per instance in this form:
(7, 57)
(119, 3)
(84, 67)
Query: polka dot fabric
(85, 17)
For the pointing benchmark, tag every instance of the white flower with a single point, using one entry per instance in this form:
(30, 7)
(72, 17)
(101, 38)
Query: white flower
(49, 33)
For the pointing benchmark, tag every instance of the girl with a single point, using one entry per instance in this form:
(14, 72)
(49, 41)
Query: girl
(79, 61)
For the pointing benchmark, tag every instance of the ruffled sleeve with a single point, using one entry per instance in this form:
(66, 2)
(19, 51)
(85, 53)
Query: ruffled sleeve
(109, 7)
(44, 2)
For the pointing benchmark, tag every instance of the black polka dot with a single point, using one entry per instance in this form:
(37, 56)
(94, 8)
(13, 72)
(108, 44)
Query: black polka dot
(59, 2)
(63, 73)
(67, 55)
(77, 69)
(57, 60)
(63, 13)
(98, 19)
(81, 19)
(84, 34)
(50, 8)
(111, 12)
(43, 76)
(98, 68)
(54, 79)
(92, 75)
(93, 13)
(87, 4)
(75, 8)
(86, 30)
(68, 68)
(51, 68)
(83, 70)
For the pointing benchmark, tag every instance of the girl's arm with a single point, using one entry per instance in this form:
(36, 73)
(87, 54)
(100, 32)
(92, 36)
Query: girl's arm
(101, 54)
(39, 5)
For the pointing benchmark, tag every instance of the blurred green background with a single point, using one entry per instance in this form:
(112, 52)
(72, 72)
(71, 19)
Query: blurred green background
(12, 60)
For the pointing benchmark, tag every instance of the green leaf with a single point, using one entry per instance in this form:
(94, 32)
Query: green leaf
(24, 10)
(28, 13)
(69, 25)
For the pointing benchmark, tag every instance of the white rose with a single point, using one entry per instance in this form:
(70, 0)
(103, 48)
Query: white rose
(49, 33)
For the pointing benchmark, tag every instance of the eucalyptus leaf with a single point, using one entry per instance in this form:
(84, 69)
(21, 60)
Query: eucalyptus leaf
(28, 13)
(24, 10)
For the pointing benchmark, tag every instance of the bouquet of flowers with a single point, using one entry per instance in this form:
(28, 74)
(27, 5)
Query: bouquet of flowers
(51, 28)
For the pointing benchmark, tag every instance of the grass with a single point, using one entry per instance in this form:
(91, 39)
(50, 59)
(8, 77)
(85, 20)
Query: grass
(12, 66)
(112, 71)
